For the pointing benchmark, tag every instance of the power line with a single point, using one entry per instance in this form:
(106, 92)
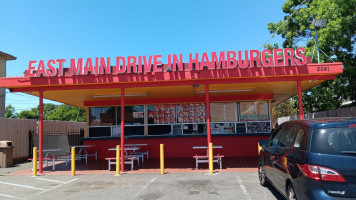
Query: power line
(284, 22)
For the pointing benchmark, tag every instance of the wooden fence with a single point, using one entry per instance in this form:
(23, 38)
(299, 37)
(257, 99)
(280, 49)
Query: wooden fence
(341, 112)
(18, 131)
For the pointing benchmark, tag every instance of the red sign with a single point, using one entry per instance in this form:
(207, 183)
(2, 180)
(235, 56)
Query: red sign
(148, 64)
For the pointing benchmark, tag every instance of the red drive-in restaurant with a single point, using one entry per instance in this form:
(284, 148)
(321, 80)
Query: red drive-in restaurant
(219, 97)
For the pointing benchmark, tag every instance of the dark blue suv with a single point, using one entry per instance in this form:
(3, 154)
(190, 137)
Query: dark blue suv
(311, 159)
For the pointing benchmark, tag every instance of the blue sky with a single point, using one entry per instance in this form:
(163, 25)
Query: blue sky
(35, 30)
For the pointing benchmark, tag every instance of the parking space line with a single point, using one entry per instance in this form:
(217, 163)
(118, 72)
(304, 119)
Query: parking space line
(44, 179)
(144, 187)
(9, 196)
(58, 186)
(243, 188)
(24, 186)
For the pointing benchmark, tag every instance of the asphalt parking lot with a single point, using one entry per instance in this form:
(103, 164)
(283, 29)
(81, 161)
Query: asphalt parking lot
(229, 185)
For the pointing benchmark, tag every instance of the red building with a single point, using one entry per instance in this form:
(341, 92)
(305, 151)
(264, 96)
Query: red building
(220, 98)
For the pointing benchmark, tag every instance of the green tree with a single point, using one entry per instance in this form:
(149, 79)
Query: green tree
(10, 112)
(68, 113)
(28, 114)
(337, 40)
(283, 109)
(55, 112)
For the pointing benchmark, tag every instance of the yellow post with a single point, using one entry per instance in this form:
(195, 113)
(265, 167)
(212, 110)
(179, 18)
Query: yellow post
(211, 158)
(162, 158)
(259, 148)
(34, 161)
(73, 161)
(117, 160)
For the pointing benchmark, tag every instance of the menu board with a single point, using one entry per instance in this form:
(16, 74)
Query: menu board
(191, 113)
(254, 110)
(163, 114)
(258, 127)
(223, 112)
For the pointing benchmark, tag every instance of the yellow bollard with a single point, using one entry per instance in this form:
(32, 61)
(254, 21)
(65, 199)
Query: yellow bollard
(162, 158)
(211, 158)
(259, 148)
(34, 161)
(117, 160)
(73, 160)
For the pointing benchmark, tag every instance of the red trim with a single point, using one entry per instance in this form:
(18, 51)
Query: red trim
(181, 100)
(40, 134)
(122, 129)
(83, 86)
(300, 100)
(207, 101)
(181, 147)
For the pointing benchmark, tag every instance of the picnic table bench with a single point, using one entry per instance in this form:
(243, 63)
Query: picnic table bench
(205, 159)
(128, 160)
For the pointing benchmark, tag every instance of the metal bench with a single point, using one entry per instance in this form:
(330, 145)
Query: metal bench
(205, 159)
(112, 161)
(46, 161)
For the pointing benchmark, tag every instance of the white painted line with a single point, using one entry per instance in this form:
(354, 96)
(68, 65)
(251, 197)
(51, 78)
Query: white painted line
(58, 186)
(24, 186)
(144, 187)
(44, 179)
(9, 196)
(243, 188)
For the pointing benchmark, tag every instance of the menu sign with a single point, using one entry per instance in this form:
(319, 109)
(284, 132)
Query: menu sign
(223, 112)
(163, 114)
(254, 110)
(191, 113)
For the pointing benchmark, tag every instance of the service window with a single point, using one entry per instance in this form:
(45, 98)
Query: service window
(101, 116)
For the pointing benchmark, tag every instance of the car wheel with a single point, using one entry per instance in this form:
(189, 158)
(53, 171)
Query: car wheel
(291, 193)
(262, 175)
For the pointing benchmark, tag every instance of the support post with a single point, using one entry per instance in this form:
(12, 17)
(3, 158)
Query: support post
(122, 137)
(40, 133)
(207, 100)
(300, 100)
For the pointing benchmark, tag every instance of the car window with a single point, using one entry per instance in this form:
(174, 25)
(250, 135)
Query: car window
(334, 141)
(287, 138)
(273, 141)
(301, 140)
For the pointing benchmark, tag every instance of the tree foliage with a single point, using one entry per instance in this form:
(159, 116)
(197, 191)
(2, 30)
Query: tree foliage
(283, 109)
(55, 112)
(337, 40)
(10, 112)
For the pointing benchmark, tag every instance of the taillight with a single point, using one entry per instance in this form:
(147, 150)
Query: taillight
(352, 125)
(321, 173)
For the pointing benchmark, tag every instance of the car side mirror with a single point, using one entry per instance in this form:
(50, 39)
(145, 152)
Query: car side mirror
(262, 143)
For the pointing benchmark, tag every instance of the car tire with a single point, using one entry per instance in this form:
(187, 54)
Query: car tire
(262, 175)
(291, 195)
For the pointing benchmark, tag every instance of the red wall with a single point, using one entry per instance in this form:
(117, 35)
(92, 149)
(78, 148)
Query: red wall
(233, 146)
